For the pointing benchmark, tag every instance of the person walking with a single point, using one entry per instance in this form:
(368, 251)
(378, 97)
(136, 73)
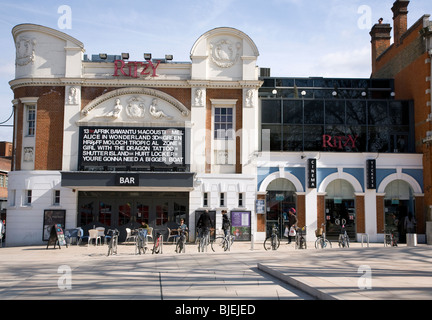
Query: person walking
(204, 223)
(226, 224)
(292, 222)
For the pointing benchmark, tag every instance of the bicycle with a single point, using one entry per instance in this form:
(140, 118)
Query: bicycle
(222, 243)
(300, 241)
(343, 239)
(203, 239)
(112, 246)
(141, 241)
(389, 238)
(157, 244)
(272, 242)
(181, 242)
(321, 241)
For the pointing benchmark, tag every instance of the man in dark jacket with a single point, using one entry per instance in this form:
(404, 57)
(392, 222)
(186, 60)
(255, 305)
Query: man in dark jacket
(204, 223)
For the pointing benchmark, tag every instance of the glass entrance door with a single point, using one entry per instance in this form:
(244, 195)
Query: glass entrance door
(338, 209)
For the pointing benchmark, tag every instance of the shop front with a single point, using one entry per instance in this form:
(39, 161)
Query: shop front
(280, 198)
(121, 210)
(340, 209)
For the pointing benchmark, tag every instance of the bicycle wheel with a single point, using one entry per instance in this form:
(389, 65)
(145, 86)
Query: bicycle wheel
(179, 246)
(302, 243)
(275, 243)
(318, 243)
(327, 244)
(110, 248)
(268, 243)
(219, 244)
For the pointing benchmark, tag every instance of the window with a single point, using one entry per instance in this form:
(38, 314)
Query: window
(56, 200)
(31, 120)
(27, 197)
(223, 124)
(222, 199)
(241, 199)
(205, 199)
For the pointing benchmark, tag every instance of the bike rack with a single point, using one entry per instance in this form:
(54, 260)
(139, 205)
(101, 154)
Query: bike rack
(365, 235)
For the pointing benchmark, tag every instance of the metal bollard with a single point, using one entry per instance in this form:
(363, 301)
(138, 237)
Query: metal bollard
(252, 242)
(367, 238)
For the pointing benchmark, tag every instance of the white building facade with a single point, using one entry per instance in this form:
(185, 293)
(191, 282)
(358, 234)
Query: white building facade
(111, 142)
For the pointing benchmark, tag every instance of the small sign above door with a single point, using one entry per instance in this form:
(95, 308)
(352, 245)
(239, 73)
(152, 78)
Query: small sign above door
(127, 179)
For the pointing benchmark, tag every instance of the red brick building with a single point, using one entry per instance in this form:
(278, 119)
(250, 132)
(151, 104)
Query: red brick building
(408, 61)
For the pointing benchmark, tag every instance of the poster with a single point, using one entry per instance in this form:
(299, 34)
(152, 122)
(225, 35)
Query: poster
(52, 217)
(241, 225)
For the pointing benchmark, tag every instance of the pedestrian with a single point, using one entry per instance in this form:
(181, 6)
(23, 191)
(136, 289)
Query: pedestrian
(226, 224)
(410, 223)
(292, 223)
(204, 223)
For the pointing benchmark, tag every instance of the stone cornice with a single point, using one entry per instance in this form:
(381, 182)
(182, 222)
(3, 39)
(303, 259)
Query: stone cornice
(100, 82)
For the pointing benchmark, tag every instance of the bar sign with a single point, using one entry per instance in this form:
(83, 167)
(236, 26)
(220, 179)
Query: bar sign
(312, 173)
(371, 174)
(131, 179)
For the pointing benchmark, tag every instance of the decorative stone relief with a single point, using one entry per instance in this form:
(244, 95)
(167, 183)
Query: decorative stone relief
(155, 113)
(199, 97)
(25, 51)
(135, 108)
(249, 98)
(72, 96)
(28, 154)
(115, 112)
(224, 53)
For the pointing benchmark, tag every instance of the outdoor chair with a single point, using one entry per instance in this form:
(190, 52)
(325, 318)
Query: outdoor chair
(94, 234)
(129, 236)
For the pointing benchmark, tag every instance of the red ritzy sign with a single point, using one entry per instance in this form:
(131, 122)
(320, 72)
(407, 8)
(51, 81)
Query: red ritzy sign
(339, 142)
(131, 68)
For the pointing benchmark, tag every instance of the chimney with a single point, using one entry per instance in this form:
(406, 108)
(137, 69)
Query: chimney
(380, 40)
(400, 19)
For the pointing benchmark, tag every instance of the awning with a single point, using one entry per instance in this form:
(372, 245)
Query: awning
(151, 181)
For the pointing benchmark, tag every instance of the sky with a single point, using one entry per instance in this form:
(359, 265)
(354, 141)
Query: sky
(295, 38)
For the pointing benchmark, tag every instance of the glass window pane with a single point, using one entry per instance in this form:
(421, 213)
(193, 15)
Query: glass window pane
(313, 137)
(293, 138)
(275, 137)
(313, 112)
(379, 138)
(271, 111)
(334, 112)
(378, 113)
(292, 111)
(355, 112)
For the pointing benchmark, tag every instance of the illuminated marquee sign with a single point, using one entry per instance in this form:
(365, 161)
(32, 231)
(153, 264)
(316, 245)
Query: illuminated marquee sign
(132, 146)
(135, 69)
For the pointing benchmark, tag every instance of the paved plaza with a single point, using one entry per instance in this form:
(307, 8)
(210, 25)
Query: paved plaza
(245, 273)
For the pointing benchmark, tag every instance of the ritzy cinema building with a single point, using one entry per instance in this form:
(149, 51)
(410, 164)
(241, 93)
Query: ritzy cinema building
(105, 141)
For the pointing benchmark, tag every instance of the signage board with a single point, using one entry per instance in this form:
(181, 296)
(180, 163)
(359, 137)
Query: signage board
(241, 225)
(371, 173)
(131, 146)
(127, 179)
(312, 181)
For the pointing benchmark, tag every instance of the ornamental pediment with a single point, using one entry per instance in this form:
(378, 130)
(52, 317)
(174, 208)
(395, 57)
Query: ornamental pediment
(135, 106)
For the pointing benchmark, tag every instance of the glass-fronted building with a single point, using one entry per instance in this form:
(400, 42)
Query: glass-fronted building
(328, 149)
